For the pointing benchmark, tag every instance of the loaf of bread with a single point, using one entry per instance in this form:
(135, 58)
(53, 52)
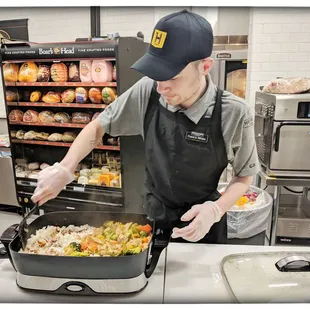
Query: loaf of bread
(81, 118)
(12, 95)
(46, 117)
(16, 115)
(44, 73)
(13, 133)
(28, 72)
(68, 136)
(42, 136)
(95, 95)
(55, 137)
(29, 135)
(74, 75)
(51, 97)
(68, 96)
(108, 95)
(31, 116)
(81, 95)
(62, 117)
(20, 134)
(35, 96)
(10, 72)
(59, 72)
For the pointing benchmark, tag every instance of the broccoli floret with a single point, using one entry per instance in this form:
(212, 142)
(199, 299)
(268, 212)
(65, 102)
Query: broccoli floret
(76, 247)
(143, 234)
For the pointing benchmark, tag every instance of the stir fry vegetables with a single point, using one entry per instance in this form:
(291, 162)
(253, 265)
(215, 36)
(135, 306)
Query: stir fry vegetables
(112, 239)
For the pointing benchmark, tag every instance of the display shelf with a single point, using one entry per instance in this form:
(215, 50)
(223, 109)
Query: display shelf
(55, 84)
(69, 125)
(63, 144)
(58, 105)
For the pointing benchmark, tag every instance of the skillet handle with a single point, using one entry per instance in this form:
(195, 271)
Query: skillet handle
(161, 241)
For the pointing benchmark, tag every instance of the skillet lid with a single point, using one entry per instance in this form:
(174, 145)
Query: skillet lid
(268, 277)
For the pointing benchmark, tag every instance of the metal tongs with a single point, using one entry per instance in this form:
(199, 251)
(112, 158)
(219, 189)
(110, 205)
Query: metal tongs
(22, 228)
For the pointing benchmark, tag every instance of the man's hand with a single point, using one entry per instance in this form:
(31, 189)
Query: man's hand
(51, 181)
(205, 215)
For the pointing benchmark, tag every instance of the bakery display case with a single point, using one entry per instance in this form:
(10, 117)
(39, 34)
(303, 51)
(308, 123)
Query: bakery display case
(52, 91)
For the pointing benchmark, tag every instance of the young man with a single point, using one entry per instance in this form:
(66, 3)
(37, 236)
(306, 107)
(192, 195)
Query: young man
(191, 129)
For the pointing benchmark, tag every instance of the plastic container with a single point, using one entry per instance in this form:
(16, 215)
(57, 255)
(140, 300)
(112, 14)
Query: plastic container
(250, 219)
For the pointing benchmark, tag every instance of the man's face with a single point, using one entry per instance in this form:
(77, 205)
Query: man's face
(182, 87)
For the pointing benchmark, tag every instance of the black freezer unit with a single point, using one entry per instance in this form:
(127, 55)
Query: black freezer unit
(120, 159)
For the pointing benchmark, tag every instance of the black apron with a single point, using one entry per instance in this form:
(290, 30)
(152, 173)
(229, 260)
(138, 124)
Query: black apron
(184, 163)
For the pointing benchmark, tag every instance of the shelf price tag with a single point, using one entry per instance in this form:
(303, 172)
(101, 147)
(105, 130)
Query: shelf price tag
(78, 189)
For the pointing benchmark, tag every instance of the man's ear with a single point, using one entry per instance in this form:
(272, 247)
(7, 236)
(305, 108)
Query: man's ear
(206, 65)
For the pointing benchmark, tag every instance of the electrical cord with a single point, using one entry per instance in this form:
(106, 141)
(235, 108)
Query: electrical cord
(292, 191)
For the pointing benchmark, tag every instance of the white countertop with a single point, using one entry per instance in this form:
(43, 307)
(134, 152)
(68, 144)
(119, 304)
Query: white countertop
(193, 272)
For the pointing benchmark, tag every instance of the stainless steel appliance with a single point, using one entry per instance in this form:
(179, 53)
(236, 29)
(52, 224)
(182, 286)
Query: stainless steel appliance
(282, 131)
(230, 70)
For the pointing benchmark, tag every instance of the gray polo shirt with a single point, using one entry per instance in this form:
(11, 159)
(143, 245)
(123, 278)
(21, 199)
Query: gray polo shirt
(125, 116)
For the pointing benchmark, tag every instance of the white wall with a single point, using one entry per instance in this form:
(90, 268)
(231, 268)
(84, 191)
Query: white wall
(59, 24)
(279, 45)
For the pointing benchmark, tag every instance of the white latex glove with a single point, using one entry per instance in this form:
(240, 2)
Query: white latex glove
(205, 215)
(51, 181)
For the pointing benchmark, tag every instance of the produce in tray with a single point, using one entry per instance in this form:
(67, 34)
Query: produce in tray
(44, 73)
(28, 72)
(10, 72)
(111, 239)
(31, 116)
(59, 72)
(16, 115)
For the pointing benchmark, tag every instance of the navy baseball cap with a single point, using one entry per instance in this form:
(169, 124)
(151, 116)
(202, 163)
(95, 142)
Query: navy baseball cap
(177, 39)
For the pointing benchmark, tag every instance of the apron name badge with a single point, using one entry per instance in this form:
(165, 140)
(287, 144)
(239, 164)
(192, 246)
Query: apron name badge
(196, 136)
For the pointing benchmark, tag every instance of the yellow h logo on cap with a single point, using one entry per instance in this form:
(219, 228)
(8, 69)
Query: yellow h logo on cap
(159, 38)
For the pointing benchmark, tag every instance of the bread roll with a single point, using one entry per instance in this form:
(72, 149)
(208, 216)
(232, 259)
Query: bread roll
(44, 165)
(12, 95)
(31, 116)
(13, 133)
